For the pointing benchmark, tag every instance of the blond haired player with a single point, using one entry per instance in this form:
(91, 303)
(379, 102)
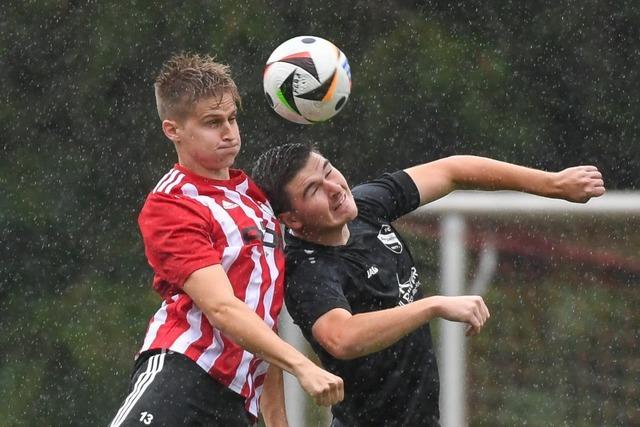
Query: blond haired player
(215, 248)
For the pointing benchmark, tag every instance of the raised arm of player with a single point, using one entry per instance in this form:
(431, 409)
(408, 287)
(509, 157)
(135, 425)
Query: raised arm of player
(211, 291)
(347, 336)
(440, 177)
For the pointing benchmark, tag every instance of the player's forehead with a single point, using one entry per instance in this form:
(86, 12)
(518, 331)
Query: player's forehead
(315, 165)
(215, 105)
(312, 171)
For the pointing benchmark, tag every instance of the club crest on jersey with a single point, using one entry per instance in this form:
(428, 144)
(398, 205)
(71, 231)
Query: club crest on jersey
(229, 205)
(389, 239)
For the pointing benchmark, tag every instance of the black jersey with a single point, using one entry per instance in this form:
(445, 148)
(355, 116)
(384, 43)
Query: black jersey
(397, 386)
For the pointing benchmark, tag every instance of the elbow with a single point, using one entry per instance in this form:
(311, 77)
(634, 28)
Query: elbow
(342, 349)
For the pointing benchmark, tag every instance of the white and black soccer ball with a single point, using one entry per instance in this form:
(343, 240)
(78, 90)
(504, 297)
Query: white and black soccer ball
(307, 80)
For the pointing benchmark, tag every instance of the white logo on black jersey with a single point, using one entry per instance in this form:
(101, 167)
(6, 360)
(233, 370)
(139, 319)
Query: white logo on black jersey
(407, 290)
(371, 271)
(389, 239)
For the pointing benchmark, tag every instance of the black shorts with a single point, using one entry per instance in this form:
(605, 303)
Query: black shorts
(169, 389)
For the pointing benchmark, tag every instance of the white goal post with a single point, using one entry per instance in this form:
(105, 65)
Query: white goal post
(452, 211)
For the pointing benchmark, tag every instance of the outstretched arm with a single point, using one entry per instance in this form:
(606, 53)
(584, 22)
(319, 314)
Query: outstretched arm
(440, 177)
(211, 291)
(347, 336)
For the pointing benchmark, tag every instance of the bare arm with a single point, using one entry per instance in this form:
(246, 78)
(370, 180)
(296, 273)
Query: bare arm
(272, 404)
(211, 291)
(440, 177)
(348, 336)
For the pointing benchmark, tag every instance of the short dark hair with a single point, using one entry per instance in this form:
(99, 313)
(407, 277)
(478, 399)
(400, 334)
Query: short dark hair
(276, 167)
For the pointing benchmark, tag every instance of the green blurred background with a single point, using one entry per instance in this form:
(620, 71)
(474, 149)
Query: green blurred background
(547, 84)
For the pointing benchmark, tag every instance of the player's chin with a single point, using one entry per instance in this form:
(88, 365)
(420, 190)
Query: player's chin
(351, 209)
(346, 214)
(228, 156)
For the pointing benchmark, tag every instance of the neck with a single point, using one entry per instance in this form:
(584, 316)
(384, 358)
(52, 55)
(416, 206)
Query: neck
(217, 174)
(337, 237)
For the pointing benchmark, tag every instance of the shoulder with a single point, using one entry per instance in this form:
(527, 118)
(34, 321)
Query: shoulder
(178, 191)
(172, 209)
(395, 182)
(387, 197)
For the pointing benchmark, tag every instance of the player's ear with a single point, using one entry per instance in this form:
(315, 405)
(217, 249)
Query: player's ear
(170, 129)
(290, 219)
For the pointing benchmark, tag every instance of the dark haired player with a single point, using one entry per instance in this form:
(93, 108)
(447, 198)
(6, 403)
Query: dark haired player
(351, 284)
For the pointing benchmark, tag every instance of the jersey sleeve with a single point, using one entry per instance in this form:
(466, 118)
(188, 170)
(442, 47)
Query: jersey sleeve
(177, 237)
(388, 197)
(312, 289)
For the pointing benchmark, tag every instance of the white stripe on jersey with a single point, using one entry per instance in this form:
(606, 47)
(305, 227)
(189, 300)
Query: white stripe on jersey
(242, 372)
(229, 228)
(252, 298)
(253, 403)
(167, 178)
(174, 183)
(171, 178)
(274, 273)
(255, 399)
(209, 356)
(154, 365)
(267, 299)
(191, 335)
(243, 187)
(158, 320)
(252, 293)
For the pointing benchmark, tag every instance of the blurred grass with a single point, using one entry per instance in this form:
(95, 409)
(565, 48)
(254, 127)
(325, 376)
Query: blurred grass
(561, 347)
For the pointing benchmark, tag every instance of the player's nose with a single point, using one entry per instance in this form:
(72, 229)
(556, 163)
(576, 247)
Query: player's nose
(332, 187)
(226, 130)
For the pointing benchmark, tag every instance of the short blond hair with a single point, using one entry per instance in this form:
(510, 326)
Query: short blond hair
(187, 78)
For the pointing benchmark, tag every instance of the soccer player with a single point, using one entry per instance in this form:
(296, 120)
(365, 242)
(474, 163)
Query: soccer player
(215, 248)
(351, 284)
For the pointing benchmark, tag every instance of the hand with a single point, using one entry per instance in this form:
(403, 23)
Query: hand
(325, 388)
(469, 309)
(580, 183)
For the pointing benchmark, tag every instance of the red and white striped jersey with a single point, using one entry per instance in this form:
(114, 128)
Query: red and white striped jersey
(189, 222)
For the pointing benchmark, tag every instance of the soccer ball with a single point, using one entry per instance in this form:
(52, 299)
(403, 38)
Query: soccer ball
(307, 80)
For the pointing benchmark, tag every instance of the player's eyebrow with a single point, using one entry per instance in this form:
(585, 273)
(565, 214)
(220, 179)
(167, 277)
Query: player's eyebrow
(218, 113)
